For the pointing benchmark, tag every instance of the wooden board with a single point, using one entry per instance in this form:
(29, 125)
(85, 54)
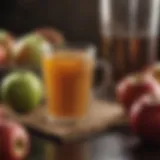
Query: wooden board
(101, 116)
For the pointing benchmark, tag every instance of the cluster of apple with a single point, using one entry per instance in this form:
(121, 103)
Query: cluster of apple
(14, 140)
(139, 93)
(27, 49)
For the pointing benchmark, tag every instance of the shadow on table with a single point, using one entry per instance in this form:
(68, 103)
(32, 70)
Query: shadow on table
(117, 144)
(46, 150)
(146, 152)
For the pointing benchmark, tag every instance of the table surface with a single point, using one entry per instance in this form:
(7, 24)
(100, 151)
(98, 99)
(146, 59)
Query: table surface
(116, 144)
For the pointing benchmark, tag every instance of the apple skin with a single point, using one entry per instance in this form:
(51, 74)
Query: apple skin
(3, 55)
(3, 113)
(154, 70)
(52, 35)
(7, 40)
(134, 86)
(28, 51)
(145, 118)
(10, 134)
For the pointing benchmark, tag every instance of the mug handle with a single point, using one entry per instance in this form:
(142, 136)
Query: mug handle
(107, 75)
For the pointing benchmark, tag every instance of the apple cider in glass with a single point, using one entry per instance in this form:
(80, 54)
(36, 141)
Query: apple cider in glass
(68, 80)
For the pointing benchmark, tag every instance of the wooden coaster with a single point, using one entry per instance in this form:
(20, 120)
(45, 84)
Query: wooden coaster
(101, 116)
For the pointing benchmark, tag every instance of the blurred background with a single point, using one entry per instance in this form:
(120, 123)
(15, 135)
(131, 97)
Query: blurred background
(78, 20)
(135, 23)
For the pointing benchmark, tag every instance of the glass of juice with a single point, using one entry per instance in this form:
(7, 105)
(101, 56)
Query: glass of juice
(68, 75)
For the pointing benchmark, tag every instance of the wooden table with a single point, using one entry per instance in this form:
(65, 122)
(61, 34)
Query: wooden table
(117, 144)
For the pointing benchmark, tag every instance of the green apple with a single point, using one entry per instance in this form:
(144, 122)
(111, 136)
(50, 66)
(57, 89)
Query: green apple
(22, 90)
(29, 49)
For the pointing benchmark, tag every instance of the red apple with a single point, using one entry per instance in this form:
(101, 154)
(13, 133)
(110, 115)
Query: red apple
(134, 86)
(14, 141)
(145, 118)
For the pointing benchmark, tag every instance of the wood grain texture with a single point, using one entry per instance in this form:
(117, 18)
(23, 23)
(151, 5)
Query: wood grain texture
(102, 115)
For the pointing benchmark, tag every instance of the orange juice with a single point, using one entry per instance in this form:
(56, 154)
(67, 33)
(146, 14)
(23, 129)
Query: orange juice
(68, 79)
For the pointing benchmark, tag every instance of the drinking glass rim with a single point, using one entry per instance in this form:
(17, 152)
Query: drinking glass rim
(88, 48)
(74, 45)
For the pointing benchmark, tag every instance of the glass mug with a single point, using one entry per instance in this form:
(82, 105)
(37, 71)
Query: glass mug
(68, 77)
